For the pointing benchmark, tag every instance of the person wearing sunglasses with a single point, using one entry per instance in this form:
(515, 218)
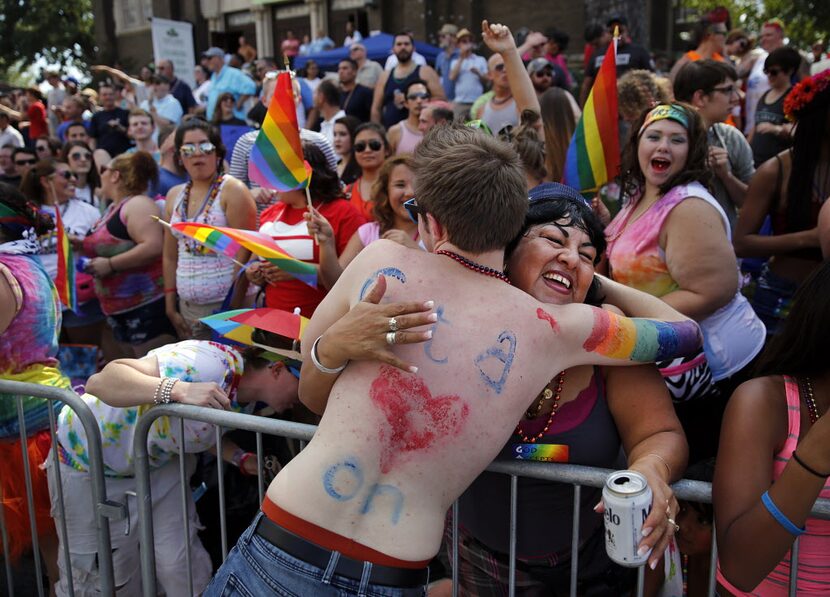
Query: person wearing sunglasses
(369, 150)
(709, 39)
(468, 73)
(395, 214)
(405, 136)
(772, 132)
(24, 159)
(196, 279)
(87, 179)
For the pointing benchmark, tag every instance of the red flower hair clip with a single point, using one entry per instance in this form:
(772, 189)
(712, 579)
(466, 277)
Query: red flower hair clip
(804, 93)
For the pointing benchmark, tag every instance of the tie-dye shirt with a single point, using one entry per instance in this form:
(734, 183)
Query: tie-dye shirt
(733, 334)
(190, 361)
(29, 345)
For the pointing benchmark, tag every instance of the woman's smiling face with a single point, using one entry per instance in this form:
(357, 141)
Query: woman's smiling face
(662, 151)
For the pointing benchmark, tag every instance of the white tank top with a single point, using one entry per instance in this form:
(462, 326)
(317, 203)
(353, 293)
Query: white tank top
(756, 85)
(202, 276)
(499, 118)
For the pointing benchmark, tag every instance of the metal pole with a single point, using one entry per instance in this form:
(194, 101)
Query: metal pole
(575, 538)
(511, 575)
(713, 564)
(259, 480)
(455, 548)
(56, 463)
(186, 514)
(641, 576)
(220, 479)
(6, 560)
(30, 498)
(794, 569)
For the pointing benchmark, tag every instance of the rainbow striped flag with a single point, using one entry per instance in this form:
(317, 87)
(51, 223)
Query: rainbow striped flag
(277, 156)
(228, 241)
(594, 153)
(65, 278)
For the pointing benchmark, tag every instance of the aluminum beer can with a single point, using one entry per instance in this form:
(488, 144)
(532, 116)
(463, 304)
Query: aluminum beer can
(627, 498)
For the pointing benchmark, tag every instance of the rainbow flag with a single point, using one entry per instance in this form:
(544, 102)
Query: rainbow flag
(594, 153)
(277, 156)
(228, 241)
(65, 278)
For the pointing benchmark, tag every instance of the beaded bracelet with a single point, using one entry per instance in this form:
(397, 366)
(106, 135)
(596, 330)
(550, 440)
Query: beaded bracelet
(780, 517)
(164, 391)
(319, 365)
(808, 468)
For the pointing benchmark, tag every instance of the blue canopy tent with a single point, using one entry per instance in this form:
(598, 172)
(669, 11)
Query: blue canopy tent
(378, 47)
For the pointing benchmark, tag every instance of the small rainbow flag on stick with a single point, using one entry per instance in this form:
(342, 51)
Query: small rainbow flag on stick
(277, 156)
(228, 241)
(65, 278)
(594, 153)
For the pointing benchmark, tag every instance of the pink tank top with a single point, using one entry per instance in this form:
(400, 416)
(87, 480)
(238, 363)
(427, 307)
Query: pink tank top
(813, 545)
(409, 140)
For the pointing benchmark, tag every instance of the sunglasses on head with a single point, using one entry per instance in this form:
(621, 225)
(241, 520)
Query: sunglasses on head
(419, 95)
(189, 149)
(413, 209)
(29, 162)
(373, 145)
(79, 155)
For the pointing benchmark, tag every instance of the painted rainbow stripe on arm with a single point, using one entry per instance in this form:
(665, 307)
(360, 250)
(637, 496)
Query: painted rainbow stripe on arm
(641, 340)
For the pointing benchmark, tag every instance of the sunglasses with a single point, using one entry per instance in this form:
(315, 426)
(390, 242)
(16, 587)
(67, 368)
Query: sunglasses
(66, 174)
(773, 71)
(41, 147)
(416, 96)
(188, 150)
(499, 68)
(413, 209)
(726, 89)
(373, 145)
(544, 73)
(79, 156)
(29, 162)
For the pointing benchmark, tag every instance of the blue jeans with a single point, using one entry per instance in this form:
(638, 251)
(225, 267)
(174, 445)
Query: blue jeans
(256, 567)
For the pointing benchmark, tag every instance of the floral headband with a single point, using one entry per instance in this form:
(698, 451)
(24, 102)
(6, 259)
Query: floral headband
(666, 111)
(804, 93)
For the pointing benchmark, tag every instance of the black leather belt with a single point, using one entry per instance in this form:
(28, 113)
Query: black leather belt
(320, 556)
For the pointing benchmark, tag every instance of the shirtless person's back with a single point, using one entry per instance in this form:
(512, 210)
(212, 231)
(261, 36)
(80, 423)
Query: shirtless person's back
(394, 449)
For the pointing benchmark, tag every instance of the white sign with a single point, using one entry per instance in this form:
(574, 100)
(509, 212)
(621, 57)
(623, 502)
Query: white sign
(173, 40)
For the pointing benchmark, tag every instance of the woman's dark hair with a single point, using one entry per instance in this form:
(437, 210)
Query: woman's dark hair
(53, 143)
(812, 132)
(576, 215)
(137, 170)
(325, 184)
(93, 178)
(217, 112)
(694, 170)
(526, 142)
(374, 127)
(212, 132)
(799, 349)
(30, 185)
(382, 209)
(352, 170)
(25, 215)
(786, 58)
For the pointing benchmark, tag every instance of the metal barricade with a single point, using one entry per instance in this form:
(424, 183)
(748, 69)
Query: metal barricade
(575, 475)
(105, 510)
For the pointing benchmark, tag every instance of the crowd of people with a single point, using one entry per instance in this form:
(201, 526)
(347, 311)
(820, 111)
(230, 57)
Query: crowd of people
(704, 263)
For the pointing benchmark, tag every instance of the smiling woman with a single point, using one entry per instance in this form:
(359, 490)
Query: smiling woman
(672, 239)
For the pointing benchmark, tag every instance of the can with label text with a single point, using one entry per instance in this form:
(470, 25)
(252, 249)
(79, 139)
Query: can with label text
(627, 498)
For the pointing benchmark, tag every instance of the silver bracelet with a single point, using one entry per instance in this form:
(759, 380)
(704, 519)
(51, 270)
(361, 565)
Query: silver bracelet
(319, 365)
(164, 391)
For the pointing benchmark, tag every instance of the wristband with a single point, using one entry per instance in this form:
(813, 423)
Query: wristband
(170, 290)
(780, 517)
(112, 267)
(808, 468)
(236, 459)
(319, 365)
(242, 460)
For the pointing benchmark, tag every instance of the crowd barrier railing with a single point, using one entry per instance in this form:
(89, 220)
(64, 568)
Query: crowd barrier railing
(105, 510)
(575, 475)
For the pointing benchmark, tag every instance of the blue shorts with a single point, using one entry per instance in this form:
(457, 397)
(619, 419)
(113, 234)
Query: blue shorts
(257, 567)
(141, 324)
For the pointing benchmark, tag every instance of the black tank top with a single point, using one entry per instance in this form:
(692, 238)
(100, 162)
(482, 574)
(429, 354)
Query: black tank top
(391, 114)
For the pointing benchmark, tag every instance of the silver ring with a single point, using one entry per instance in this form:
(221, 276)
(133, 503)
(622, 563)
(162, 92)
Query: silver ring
(674, 524)
(393, 324)
(391, 338)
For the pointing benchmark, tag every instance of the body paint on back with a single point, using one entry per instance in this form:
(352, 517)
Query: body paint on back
(416, 421)
(497, 353)
(641, 340)
(439, 311)
(343, 481)
(542, 314)
(391, 272)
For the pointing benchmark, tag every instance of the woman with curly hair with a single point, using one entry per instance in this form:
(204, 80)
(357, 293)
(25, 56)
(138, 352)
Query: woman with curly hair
(791, 189)
(285, 222)
(672, 240)
(391, 190)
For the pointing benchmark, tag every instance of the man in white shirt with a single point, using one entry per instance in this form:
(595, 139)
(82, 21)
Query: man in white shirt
(327, 102)
(8, 134)
(468, 72)
(165, 108)
(368, 71)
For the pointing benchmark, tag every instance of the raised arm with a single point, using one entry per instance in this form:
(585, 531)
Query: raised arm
(499, 39)
(114, 72)
(377, 98)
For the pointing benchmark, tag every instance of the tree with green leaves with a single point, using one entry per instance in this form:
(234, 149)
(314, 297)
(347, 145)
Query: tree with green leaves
(806, 21)
(59, 32)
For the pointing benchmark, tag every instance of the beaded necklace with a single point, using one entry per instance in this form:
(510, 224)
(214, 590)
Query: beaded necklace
(476, 267)
(546, 395)
(207, 204)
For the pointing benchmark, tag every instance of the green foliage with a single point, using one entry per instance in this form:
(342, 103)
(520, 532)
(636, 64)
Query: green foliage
(60, 32)
(806, 20)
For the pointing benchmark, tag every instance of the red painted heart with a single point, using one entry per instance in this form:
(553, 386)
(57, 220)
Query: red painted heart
(416, 419)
